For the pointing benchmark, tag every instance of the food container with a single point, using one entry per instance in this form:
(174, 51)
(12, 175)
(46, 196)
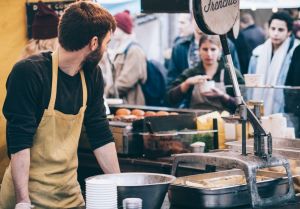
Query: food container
(188, 195)
(252, 80)
(127, 143)
(198, 147)
(163, 144)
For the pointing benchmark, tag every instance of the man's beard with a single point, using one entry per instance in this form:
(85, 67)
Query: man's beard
(92, 59)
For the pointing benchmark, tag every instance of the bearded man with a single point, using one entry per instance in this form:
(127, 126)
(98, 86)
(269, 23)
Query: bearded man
(49, 97)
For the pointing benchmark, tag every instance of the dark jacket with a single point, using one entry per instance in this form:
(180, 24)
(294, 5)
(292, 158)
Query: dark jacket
(293, 77)
(175, 96)
(179, 58)
(248, 39)
(292, 97)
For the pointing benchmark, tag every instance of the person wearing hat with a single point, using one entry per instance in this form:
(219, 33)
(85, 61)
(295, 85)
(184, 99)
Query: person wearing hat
(44, 31)
(49, 97)
(128, 63)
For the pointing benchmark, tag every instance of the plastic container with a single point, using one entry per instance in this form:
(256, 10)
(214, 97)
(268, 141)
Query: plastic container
(252, 80)
(132, 203)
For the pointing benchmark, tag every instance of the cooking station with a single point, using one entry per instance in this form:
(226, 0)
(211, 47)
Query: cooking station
(246, 181)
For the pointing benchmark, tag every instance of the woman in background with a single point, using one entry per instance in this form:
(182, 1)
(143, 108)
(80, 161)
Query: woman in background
(44, 32)
(187, 87)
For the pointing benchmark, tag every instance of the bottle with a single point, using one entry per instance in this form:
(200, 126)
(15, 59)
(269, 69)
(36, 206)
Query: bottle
(132, 203)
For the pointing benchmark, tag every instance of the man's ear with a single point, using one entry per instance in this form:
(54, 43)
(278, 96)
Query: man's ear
(94, 43)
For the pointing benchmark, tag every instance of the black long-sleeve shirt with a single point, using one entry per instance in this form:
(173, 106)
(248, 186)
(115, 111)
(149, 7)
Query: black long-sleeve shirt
(28, 95)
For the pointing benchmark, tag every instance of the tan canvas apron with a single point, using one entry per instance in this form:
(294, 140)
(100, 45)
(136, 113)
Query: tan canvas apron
(200, 101)
(53, 166)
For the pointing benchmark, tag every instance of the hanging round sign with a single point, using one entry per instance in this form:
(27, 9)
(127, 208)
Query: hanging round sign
(215, 17)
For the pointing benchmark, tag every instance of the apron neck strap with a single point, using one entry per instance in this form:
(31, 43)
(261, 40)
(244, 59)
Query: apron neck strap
(54, 79)
(84, 88)
(54, 82)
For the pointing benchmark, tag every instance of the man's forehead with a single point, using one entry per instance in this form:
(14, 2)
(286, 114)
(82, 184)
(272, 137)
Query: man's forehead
(278, 23)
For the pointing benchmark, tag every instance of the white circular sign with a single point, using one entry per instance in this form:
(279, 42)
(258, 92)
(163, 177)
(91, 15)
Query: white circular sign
(216, 16)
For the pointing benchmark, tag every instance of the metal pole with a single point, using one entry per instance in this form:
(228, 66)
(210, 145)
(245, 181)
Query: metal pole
(230, 68)
(243, 116)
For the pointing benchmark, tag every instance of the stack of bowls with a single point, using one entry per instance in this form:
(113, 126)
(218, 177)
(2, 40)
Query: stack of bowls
(101, 193)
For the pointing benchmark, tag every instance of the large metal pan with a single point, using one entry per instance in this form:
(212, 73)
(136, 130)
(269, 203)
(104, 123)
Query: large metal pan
(186, 196)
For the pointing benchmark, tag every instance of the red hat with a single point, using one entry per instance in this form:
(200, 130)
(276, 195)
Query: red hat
(124, 21)
(45, 22)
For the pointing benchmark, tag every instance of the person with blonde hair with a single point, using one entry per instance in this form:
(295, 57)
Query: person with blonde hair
(187, 87)
(44, 32)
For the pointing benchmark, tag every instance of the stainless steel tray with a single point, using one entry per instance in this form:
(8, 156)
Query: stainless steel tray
(183, 196)
(289, 148)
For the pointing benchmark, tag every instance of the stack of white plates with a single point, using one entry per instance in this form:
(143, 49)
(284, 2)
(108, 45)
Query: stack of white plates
(101, 194)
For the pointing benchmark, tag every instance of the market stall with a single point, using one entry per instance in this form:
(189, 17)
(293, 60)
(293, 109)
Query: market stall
(250, 184)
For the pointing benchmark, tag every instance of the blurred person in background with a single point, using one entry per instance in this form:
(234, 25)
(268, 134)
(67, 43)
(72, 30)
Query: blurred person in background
(184, 27)
(128, 63)
(49, 97)
(296, 29)
(105, 65)
(293, 76)
(272, 59)
(185, 31)
(187, 86)
(292, 96)
(185, 53)
(44, 32)
(293, 12)
(250, 37)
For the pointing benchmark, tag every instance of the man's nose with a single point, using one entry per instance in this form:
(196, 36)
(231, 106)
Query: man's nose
(276, 32)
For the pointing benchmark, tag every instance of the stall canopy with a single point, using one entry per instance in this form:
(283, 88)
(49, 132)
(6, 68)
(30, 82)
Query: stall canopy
(269, 4)
(115, 6)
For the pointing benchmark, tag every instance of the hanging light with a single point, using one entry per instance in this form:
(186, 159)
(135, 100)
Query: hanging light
(253, 8)
(274, 9)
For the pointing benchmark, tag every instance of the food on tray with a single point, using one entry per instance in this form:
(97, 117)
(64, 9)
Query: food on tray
(150, 113)
(128, 118)
(222, 182)
(123, 111)
(162, 113)
(137, 112)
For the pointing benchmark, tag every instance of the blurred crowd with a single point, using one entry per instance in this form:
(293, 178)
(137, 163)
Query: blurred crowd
(193, 60)
(196, 58)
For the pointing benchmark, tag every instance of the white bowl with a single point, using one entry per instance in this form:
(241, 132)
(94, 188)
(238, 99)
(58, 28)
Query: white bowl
(207, 86)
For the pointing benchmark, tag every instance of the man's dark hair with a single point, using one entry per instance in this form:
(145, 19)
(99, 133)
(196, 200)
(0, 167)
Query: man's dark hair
(283, 16)
(82, 21)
